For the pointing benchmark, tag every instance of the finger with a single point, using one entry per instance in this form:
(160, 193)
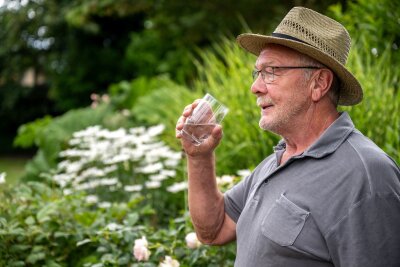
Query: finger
(217, 133)
(189, 108)
(180, 122)
(178, 134)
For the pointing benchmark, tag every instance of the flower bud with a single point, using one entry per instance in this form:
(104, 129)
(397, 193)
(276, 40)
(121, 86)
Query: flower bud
(169, 262)
(192, 241)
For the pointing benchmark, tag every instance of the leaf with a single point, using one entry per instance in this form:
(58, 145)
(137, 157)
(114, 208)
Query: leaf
(84, 241)
(3, 221)
(35, 257)
(51, 263)
(16, 264)
(124, 260)
(44, 214)
(30, 220)
(132, 219)
(17, 247)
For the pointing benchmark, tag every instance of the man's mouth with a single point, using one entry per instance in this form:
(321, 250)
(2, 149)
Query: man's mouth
(264, 107)
(264, 104)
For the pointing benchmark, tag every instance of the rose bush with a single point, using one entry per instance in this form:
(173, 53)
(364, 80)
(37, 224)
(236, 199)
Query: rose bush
(101, 206)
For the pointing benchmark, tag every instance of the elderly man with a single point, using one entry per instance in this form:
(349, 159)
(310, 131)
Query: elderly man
(327, 196)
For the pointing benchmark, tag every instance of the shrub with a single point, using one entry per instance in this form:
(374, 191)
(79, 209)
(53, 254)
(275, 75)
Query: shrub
(91, 208)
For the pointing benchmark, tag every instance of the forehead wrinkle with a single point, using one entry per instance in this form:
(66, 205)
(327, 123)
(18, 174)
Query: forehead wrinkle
(267, 63)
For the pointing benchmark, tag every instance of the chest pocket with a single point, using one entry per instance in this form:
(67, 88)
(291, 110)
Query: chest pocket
(284, 222)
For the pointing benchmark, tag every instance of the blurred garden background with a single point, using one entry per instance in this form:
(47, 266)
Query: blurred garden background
(90, 90)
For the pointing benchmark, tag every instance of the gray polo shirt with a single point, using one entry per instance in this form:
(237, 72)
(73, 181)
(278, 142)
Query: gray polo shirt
(337, 204)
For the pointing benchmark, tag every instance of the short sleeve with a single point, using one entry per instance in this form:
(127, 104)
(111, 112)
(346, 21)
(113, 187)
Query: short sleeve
(369, 235)
(234, 200)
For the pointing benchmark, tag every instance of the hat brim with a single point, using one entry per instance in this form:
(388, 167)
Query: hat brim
(350, 90)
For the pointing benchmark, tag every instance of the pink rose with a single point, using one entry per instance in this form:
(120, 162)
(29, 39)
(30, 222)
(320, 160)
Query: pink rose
(192, 241)
(140, 250)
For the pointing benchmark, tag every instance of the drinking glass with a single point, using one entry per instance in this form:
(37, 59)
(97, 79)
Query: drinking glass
(207, 114)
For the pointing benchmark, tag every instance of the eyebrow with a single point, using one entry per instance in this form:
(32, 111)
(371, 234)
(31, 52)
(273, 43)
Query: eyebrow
(265, 64)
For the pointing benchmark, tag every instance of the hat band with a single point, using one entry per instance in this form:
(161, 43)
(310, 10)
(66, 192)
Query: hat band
(285, 36)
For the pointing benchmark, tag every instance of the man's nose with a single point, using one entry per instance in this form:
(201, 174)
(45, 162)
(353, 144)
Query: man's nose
(258, 86)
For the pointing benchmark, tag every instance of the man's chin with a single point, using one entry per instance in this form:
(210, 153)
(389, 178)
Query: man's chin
(268, 126)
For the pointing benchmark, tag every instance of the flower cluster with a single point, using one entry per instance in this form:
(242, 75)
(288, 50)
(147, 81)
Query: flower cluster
(142, 253)
(129, 160)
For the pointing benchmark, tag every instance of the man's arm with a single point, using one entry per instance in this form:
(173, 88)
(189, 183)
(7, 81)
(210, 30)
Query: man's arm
(206, 202)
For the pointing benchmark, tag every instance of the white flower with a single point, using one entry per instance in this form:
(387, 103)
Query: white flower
(3, 177)
(137, 130)
(67, 192)
(170, 173)
(177, 187)
(155, 130)
(225, 180)
(192, 241)
(142, 242)
(158, 177)
(153, 184)
(114, 226)
(152, 168)
(140, 250)
(109, 181)
(110, 169)
(104, 205)
(172, 162)
(169, 262)
(90, 131)
(133, 188)
(243, 173)
(92, 199)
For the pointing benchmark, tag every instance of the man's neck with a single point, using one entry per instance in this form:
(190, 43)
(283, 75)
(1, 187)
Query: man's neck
(304, 134)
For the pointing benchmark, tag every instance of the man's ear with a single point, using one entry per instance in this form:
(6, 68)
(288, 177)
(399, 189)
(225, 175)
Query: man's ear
(322, 80)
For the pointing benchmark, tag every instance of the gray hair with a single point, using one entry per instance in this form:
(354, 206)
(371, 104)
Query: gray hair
(334, 90)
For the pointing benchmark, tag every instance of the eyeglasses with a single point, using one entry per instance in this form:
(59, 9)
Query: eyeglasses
(268, 73)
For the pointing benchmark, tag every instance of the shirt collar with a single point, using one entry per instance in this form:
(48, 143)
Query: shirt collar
(329, 141)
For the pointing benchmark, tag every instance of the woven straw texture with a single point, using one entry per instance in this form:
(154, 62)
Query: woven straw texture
(317, 36)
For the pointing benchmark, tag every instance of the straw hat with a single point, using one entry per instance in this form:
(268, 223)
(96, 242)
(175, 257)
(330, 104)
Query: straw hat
(317, 36)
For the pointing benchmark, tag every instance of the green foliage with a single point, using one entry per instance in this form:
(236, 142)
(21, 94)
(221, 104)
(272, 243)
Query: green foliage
(124, 94)
(373, 22)
(51, 135)
(28, 132)
(378, 116)
(374, 60)
(57, 222)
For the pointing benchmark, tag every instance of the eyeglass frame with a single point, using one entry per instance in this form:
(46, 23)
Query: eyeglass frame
(264, 72)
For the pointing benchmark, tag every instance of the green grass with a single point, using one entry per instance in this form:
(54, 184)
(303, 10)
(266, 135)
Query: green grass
(13, 166)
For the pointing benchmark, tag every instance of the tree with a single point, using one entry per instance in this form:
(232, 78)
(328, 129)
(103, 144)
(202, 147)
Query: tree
(72, 48)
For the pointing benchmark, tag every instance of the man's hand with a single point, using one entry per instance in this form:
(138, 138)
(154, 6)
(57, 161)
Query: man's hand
(208, 146)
